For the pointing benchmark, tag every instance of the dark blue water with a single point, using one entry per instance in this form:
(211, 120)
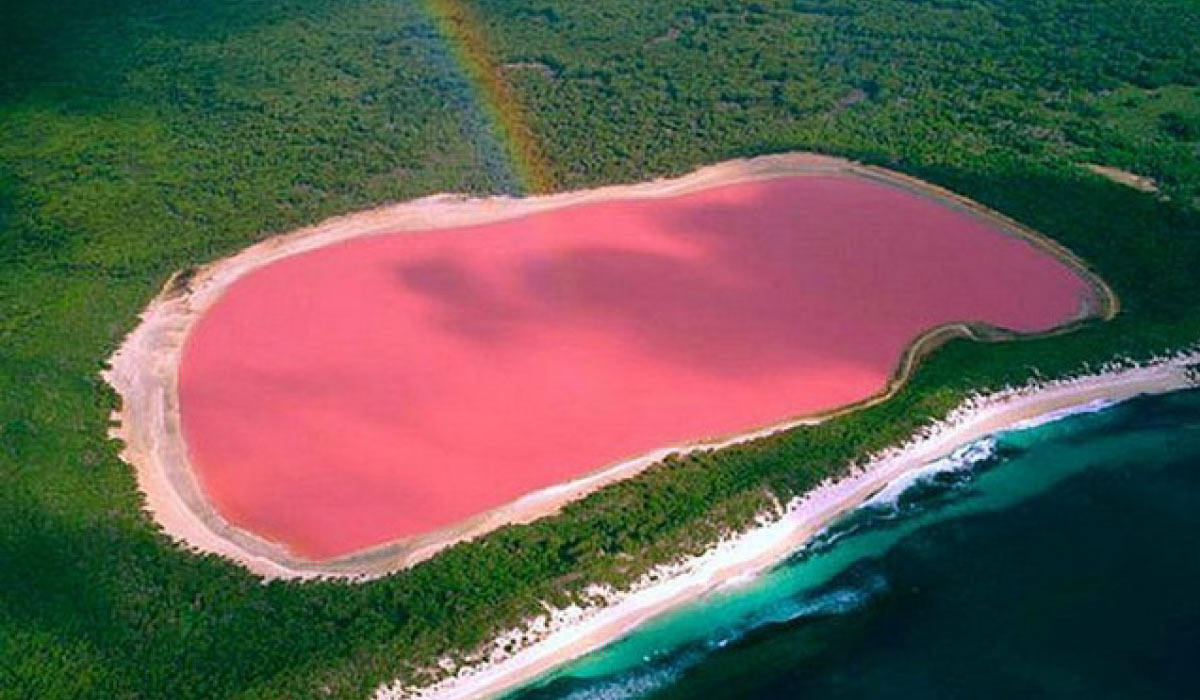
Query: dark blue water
(1061, 561)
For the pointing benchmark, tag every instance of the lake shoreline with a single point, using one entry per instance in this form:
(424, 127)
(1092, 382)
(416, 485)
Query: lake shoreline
(145, 370)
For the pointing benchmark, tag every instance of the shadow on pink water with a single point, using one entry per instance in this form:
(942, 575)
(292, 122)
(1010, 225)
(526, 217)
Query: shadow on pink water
(388, 386)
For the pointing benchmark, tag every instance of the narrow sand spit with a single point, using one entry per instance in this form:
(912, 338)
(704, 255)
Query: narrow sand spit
(145, 369)
(564, 635)
(1140, 183)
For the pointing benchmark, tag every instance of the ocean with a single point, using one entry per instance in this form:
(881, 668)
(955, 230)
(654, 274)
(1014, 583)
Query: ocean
(1060, 560)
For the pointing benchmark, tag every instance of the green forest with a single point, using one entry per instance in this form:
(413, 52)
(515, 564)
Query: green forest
(140, 137)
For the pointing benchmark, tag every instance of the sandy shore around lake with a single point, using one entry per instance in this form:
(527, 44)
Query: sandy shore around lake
(563, 635)
(144, 370)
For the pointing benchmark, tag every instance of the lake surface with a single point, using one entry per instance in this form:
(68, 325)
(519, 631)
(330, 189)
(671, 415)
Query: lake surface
(390, 386)
(1059, 561)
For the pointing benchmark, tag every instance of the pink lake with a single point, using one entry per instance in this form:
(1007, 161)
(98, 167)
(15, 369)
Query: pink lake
(393, 385)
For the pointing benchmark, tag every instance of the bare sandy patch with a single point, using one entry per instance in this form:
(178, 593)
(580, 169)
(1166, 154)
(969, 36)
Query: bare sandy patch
(1140, 183)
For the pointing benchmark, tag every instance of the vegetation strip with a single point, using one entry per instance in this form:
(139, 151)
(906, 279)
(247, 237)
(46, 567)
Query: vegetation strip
(558, 636)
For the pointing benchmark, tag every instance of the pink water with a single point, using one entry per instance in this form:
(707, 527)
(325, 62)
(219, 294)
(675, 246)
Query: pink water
(389, 386)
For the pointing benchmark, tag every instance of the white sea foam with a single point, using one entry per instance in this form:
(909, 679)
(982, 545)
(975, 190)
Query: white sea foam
(1053, 416)
(966, 457)
(660, 670)
(836, 602)
(635, 684)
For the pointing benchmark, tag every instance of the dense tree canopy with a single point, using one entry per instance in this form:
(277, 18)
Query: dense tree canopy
(141, 137)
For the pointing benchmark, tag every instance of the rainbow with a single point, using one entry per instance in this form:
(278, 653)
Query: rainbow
(464, 35)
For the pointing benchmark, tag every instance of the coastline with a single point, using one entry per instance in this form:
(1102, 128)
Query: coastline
(144, 370)
(552, 640)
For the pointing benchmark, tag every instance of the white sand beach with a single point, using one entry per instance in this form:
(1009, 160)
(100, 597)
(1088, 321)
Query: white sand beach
(558, 637)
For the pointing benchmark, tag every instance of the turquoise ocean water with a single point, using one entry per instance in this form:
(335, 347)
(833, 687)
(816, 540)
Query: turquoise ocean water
(1058, 561)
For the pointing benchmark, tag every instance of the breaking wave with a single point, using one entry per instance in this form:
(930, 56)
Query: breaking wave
(966, 458)
(644, 672)
(1038, 421)
(835, 600)
(630, 685)
(837, 574)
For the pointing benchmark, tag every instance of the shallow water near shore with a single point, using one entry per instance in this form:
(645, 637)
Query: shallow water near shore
(1059, 560)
